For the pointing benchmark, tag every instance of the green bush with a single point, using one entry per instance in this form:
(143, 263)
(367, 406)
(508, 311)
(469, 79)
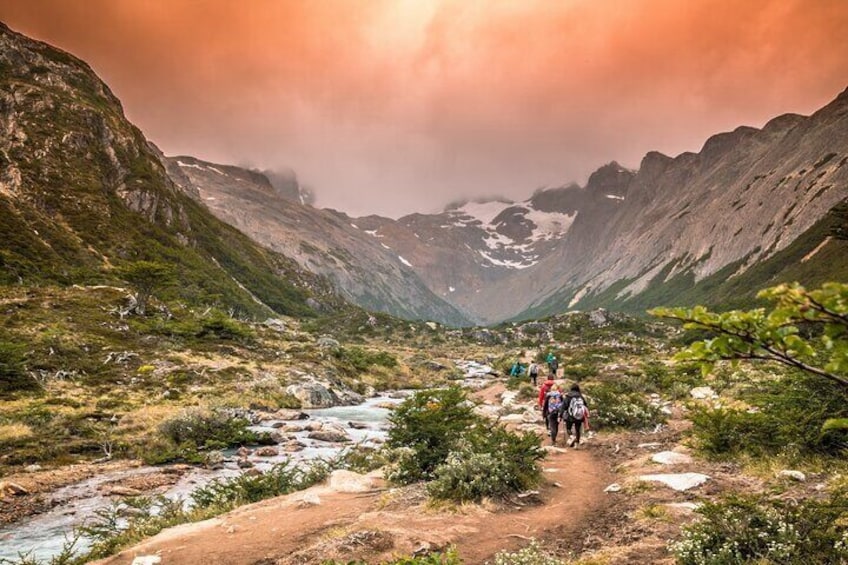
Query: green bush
(448, 557)
(282, 478)
(488, 462)
(358, 360)
(756, 529)
(788, 418)
(612, 405)
(426, 427)
(207, 429)
(13, 377)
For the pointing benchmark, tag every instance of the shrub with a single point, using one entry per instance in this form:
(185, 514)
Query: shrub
(613, 406)
(360, 459)
(425, 428)
(358, 360)
(749, 529)
(13, 377)
(283, 478)
(488, 462)
(447, 557)
(207, 429)
(532, 554)
(788, 418)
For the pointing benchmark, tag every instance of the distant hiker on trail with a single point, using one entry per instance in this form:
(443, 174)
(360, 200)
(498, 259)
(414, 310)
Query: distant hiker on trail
(555, 404)
(575, 413)
(543, 397)
(516, 370)
(551, 360)
(534, 372)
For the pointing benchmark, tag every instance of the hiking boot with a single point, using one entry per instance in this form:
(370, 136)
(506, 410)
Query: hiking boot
(571, 441)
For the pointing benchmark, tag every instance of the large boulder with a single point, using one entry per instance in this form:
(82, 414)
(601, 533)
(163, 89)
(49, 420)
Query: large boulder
(313, 392)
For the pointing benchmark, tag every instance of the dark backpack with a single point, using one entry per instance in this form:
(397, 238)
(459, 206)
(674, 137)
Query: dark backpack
(577, 408)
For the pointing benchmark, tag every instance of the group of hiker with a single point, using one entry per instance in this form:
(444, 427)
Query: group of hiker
(556, 404)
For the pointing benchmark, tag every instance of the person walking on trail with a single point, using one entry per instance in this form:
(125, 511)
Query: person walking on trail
(555, 404)
(543, 398)
(534, 372)
(553, 365)
(575, 413)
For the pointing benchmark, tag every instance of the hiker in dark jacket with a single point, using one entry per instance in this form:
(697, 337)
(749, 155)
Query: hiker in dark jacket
(575, 412)
(543, 397)
(555, 403)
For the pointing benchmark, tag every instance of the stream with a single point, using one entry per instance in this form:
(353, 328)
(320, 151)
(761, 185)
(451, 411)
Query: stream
(43, 536)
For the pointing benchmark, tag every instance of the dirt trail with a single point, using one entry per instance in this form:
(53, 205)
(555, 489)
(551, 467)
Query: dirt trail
(377, 525)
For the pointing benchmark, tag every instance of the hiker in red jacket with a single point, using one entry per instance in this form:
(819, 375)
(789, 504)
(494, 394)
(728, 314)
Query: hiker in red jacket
(543, 398)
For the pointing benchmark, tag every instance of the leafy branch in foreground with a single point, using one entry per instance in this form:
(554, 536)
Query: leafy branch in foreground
(776, 335)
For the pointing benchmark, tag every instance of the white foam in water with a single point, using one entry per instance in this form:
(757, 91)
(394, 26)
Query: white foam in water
(43, 536)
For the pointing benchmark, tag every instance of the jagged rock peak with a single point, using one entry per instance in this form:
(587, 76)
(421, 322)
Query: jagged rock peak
(612, 178)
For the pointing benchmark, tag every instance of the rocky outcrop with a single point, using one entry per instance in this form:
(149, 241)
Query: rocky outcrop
(313, 392)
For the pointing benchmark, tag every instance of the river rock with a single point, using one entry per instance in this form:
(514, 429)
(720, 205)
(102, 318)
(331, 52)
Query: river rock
(214, 460)
(677, 481)
(244, 451)
(794, 475)
(348, 481)
(315, 393)
(244, 464)
(293, 446)
(291, 428)
(8, 487)
(671, 458)
(285, 414)
(118, 490)
(313, 427)
(357, 425)
(267, 451)
(331, 436)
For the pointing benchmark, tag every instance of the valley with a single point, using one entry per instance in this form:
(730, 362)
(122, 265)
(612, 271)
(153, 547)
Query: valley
(197, 365)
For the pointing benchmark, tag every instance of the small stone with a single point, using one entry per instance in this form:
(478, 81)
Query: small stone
(267, 451)
(649, 445)
(244, 451)
(615, 487)
(117, 490)
(32, 468)
(329, 436)
(678, 481)
(244, 464)
(357, 425)
(794, 475)
(671, 458)
(309, 499)
(146, 560)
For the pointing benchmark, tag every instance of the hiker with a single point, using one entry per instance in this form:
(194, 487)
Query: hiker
(543, 398)
(575, 412)
(516, 370)
(552, 363)
(534, 372)
(555, 404)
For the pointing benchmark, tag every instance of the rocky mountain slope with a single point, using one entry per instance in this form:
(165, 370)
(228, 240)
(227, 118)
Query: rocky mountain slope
(752, 202)
(82, 192)
(321, 241)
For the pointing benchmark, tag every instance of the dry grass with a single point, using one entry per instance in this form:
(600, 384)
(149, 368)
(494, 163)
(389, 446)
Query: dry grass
(14, 432)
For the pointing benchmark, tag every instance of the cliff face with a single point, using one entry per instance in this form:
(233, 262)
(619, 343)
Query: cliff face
(82, 191)
(320, 241)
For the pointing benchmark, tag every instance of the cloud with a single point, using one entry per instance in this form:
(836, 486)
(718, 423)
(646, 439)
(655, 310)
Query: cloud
(394, 106)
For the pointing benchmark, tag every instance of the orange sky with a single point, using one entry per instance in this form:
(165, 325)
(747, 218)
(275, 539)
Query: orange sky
(394, 106)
